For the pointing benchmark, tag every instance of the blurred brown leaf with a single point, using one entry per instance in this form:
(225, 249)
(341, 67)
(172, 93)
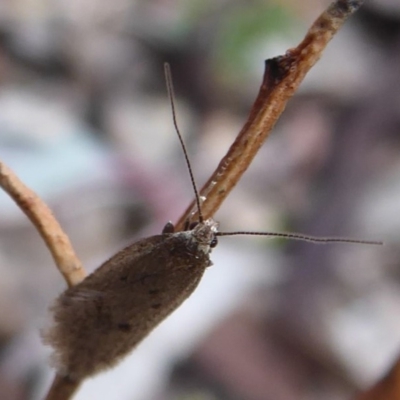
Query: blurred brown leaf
(388, 388)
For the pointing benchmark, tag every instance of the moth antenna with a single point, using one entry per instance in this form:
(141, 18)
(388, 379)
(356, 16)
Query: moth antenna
(170, 89)
(306, 238)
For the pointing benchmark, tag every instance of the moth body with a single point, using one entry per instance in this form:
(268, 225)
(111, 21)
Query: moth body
(103, 318)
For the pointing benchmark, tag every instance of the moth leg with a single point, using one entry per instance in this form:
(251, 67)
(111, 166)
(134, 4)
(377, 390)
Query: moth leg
(187, 225)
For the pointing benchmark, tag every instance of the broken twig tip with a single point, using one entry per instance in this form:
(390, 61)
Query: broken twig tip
(344, 8)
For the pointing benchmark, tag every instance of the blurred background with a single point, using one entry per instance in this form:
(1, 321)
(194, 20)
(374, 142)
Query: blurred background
(85, 122)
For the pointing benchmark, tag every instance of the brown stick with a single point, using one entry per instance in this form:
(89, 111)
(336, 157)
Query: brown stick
(62, 388)
(282, 77)
(48, 227)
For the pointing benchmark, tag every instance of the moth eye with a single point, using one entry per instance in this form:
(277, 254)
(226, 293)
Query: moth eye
(169, 228)
(213, 243)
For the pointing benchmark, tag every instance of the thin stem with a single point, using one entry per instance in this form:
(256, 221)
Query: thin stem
(44, 221)
(282, 77)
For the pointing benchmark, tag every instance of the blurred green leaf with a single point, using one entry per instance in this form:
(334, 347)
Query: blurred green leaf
(244, 28)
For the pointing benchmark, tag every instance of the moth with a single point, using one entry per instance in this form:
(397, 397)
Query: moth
(100, 320)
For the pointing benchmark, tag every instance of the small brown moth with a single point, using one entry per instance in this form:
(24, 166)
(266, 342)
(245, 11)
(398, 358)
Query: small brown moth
(100, 320)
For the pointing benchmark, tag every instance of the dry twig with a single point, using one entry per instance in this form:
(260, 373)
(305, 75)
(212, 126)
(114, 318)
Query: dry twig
(282, 77)
(48, 227)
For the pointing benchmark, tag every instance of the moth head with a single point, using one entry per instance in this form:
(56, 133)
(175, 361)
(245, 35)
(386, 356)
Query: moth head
(205, 234)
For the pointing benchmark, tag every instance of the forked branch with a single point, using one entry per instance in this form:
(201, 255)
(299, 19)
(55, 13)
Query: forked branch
(281, 79)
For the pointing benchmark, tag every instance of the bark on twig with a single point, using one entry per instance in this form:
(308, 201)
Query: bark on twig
(282, 77)
(45, 223)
